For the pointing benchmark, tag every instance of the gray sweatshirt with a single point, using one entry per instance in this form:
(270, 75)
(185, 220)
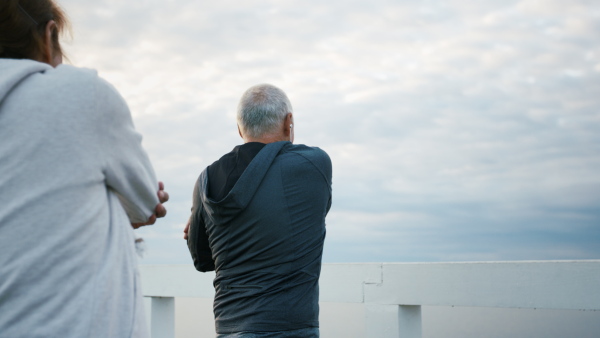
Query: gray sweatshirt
(73, 175)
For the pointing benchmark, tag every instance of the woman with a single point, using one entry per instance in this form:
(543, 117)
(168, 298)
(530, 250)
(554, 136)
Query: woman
(73, 180)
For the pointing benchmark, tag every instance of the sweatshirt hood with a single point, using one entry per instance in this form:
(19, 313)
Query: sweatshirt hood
(238, 198)
(13, 72)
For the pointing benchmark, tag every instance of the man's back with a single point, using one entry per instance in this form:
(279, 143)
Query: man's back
(266, 238)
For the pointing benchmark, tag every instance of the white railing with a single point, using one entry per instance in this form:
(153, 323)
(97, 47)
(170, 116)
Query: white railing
(393, 293)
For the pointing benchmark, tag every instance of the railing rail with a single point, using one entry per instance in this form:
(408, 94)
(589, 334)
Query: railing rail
(393, 293)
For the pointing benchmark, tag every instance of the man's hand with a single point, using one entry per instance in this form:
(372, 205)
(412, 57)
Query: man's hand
(187, 229)
(159, 210)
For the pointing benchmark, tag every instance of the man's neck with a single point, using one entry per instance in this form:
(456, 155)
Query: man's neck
(265, 139)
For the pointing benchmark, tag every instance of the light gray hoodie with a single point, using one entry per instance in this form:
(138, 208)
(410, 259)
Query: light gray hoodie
(73, 175)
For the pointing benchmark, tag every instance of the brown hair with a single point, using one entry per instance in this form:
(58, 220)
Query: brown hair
(23, 26)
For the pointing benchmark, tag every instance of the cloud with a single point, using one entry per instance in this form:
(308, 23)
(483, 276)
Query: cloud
(457, 130)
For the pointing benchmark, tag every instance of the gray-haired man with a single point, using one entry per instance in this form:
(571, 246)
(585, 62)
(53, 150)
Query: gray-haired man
(258, 220)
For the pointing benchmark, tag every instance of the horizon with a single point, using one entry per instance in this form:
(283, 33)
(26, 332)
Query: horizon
(458, 131)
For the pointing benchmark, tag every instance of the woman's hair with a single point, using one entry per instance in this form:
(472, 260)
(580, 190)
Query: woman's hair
(23, 25)
(261, 110)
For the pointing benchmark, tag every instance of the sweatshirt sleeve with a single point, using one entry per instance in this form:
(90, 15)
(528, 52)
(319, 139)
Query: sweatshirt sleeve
(126, 166)
(197, 238)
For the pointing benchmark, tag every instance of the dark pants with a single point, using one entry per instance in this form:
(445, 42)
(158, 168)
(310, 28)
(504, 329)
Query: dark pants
(312, 332)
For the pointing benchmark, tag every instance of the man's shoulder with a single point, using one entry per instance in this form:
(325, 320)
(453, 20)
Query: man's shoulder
(316, 156)
(307, 151)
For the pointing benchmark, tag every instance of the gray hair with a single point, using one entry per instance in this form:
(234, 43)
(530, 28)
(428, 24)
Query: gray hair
(261, 110)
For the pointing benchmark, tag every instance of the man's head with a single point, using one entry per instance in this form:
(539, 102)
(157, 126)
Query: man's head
(265, 115)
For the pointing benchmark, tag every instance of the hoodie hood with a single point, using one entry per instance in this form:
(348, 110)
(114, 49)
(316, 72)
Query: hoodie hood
(13, 72)
(238, 198)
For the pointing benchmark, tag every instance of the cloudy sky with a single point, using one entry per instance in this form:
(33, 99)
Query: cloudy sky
(459, 130)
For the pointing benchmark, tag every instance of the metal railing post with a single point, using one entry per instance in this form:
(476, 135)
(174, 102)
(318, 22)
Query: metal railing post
(409, 320)
(392, 321)
(162, 317)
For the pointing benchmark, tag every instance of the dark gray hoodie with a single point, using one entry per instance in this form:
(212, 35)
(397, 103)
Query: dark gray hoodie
(265, 240)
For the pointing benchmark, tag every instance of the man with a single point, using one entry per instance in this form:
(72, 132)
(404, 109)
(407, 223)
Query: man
(258, 220)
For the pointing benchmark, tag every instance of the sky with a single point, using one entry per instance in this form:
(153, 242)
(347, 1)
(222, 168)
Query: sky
(459, 130)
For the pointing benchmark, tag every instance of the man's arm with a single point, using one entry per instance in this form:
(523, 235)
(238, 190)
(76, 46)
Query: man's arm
(197, 238)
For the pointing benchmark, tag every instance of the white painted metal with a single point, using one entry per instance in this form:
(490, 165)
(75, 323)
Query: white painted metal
(394, 292)
(392, 321)
(381, 320)
(548, 285)
(148, 311)
(162, 324)
(176, 281)
(344, 282)
(409, 321)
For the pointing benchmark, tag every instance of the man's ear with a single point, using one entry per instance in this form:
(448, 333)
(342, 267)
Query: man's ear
(240, 132)
(288, 127)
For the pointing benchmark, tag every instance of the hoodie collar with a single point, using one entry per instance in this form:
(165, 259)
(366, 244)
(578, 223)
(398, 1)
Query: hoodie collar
(13, 72)
(245, 188)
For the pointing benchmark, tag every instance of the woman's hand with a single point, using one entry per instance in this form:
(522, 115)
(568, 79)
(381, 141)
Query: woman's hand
(160, 210)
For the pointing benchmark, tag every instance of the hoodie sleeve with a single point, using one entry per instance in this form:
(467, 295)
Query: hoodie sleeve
(197, 237)
(126, 167)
